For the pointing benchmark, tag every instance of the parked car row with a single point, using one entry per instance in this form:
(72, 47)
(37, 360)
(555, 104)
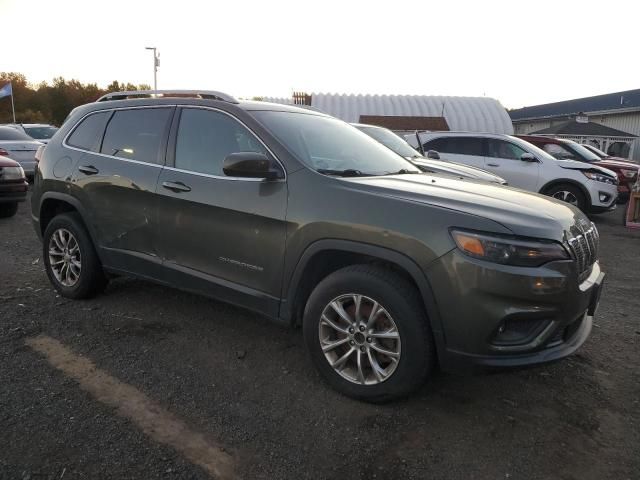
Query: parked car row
(20, 147)
(589, 187)
(389, 270)
(41, 132)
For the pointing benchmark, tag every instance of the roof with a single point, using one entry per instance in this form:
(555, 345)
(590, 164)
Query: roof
(629, 99)
(476, 114)
(590, 129)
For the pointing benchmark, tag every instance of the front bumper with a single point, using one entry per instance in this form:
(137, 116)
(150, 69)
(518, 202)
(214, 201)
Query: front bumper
(602, 196)
(500, 316)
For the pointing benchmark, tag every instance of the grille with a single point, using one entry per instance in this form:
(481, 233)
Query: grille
(584, 242)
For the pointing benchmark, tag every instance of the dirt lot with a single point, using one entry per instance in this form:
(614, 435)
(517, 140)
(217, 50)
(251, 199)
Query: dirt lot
(246, 385)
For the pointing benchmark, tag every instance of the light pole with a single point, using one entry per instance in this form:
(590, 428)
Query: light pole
(156, 64)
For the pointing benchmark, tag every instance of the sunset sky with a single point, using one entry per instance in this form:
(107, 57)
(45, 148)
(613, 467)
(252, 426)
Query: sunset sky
(520, 53)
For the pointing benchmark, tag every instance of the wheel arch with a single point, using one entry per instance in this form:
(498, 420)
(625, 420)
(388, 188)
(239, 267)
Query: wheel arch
(55, 203)
(314, 265)
(561, 181)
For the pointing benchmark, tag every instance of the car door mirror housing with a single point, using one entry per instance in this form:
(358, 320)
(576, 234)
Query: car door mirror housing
(433, 155)
(528, 157)
(251, 165)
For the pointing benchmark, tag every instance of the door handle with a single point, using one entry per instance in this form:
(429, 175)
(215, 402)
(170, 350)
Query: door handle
(493, 164)
(176, 186)
(88, 169)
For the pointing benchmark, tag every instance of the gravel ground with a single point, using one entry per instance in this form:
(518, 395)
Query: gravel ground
(247, 383)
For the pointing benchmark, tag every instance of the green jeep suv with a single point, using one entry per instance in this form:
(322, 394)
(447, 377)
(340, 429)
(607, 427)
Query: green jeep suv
(306, 220)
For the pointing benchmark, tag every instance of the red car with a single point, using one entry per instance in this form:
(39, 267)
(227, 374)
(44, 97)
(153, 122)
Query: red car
(563, 149)
(13, 186)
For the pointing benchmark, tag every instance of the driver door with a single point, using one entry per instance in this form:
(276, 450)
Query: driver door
(504, 159)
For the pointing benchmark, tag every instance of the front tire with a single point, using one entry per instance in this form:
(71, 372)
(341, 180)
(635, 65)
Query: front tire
(70, 259)
(570, 194)
(367, 333)
(8, 209)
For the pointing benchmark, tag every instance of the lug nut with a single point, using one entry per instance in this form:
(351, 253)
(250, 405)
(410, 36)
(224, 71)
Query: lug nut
(351, 330)
(362, 328)
(352, 342)
(362, 349)
(369, 339)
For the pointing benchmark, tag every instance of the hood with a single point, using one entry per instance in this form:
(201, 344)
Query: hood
(438, 166)
(614, 162)
(526, 214)
(576, 165)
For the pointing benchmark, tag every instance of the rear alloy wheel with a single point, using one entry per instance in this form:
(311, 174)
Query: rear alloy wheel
(367, 333)
(70, 259)
(569, 194)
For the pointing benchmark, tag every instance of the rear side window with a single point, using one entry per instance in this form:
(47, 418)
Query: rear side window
(136, 134)
(559, 152)
(502, 149)
(456, 145)
(206, 137)
(88, 133)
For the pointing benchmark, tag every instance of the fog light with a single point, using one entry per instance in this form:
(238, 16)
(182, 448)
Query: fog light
(604, 197)
(546, 285)
(518, 331)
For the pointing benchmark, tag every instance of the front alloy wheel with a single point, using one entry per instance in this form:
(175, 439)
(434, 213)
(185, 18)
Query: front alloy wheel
(359, 339)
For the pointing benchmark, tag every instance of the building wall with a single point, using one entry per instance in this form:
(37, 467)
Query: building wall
(627, 122)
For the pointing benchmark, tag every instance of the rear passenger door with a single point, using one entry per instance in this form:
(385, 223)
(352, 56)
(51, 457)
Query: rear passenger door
(504, 159)
(466, 150)
(223, 236)
(120, 156)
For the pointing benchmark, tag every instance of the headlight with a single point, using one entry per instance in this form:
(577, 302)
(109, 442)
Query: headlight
(508, 251)
(600, 177)
(630, 174)
(11, 173)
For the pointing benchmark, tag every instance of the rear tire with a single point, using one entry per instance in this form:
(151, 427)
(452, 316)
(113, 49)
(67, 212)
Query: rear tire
(72, 248)
(8, 209)
(400, 329)
(568, 193)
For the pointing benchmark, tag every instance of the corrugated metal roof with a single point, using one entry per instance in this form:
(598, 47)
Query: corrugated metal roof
(473, 114)
(598, 103)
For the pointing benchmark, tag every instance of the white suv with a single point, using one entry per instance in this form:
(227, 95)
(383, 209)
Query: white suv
(590, 188)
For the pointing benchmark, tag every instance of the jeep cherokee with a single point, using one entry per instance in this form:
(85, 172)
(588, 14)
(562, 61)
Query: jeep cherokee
(307, 220)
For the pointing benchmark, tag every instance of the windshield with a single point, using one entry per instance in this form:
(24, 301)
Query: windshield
(595, 150)
(8, 133)
(585, 154)
(41, 132)
(329, 145)
(390, 140)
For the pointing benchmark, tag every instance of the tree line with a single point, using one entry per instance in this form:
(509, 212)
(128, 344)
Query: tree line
(51, 103)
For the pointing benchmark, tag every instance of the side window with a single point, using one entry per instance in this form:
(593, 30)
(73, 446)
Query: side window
(502, 149)
(206, 137)
(463, 145)
(136, 134)
(558, 151)
(88, 133)
(437, 144)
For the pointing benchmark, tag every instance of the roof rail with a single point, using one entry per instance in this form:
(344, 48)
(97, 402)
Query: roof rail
(208, 94)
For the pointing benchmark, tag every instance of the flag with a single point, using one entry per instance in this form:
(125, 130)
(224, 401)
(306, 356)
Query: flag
(6, 90)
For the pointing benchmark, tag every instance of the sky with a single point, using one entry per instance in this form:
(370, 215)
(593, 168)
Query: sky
(521, 53)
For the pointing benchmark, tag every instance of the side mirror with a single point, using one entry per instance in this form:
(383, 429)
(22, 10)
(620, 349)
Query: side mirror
(250, 165)
(528, 157)
(433, 155)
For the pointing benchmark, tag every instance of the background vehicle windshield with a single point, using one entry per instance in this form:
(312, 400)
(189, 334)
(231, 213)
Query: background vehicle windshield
(585, 154)
(326, 143)
(41, 132)
(8, 133)
(390, 140)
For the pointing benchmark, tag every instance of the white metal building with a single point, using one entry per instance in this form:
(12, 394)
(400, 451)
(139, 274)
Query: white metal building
(411, 112)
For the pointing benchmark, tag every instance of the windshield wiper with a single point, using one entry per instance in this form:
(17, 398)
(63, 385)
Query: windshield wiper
(402, 171)
(349, 172)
